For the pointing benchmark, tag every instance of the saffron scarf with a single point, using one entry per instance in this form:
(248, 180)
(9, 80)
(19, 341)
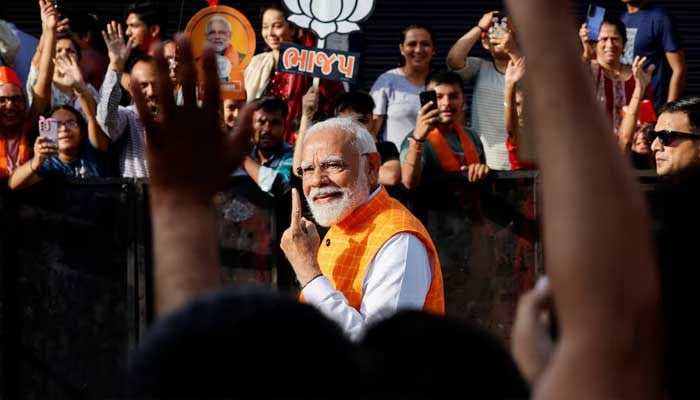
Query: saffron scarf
(449, 161)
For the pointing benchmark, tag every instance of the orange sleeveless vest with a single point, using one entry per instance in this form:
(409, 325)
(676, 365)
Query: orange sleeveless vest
(23, 156)
(348, 248)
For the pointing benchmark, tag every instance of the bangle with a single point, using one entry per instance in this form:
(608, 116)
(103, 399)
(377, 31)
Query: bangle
(311, 280)
(482, 29)
(415, 139)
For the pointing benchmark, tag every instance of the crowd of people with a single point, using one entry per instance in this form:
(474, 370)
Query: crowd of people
(150, 114)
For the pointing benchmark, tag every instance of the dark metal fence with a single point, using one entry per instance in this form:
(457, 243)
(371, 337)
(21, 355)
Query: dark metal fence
(75, 268)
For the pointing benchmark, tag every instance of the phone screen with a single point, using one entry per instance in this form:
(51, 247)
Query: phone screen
(426, 96)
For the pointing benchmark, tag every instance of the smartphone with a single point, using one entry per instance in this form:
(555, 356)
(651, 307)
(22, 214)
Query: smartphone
(49, 128)
(426, 96)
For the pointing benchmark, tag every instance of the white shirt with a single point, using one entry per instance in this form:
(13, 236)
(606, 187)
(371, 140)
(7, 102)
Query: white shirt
(116, 121)
(398, 278)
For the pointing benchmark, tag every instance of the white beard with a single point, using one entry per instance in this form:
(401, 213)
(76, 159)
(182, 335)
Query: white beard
(338, 209)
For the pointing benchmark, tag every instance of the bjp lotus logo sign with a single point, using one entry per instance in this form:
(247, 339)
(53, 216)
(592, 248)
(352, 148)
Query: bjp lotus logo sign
(329, 16)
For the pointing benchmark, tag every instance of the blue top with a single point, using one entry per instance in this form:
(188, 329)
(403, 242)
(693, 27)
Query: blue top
(275, 174)
(90, 163)
(650, 33)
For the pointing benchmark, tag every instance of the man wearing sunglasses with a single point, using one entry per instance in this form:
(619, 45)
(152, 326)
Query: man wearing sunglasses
(676, 138)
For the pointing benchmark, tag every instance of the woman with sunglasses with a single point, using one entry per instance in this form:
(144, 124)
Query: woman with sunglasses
(71, 155)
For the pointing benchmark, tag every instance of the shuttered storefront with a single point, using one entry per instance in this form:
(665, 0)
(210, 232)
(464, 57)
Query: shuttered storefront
(379, 42)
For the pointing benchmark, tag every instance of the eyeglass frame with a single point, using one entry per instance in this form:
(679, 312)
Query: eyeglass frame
(324, 170)
(12, 99)
(666, 136)
(74, 124)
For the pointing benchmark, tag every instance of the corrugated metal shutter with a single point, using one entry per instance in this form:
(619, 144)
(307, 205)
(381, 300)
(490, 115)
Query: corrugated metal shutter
(379, 42)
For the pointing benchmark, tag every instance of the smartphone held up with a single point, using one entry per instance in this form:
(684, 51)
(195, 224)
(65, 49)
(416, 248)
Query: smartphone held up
(48, 127)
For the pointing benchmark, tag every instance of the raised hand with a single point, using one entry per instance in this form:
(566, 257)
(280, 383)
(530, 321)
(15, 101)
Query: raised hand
(426, 120)
(49, 15)
(642, 76)
(300, 243)
(117, 50)
(63, 26)
(44, 149)
(515, 70)
(486, 20)
(584, 33)
(309, 103)
(69, 71)
(531, 341)
(189, 154)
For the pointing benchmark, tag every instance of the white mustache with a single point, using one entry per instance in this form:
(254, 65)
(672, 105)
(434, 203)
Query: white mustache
(314, 192)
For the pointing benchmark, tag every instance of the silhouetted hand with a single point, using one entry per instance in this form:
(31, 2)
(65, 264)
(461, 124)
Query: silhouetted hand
(189, 154)
(532, 346)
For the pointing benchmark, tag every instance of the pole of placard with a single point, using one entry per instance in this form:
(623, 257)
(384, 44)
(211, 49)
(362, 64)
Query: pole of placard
(320, 44)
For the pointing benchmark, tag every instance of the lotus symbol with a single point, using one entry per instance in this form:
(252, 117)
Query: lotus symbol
(328, 16)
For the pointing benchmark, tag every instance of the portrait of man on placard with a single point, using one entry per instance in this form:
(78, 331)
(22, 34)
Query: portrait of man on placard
(232, 37)
(219, 35)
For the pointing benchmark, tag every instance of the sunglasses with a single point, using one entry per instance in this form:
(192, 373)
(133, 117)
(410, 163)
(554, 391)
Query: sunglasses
(666, 137)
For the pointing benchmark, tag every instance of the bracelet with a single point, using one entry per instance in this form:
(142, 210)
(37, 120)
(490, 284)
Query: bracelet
(30, 166)
(482, 29)
(311, 280)
(415, 139)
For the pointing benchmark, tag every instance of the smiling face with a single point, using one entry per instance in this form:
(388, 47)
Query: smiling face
(682, 154)
(450, 101)
(336, 178)
(218, 34)
(417, 48)
(12, 107)
(69, 134)
(610, 44)
(144, 74)
(276, 29)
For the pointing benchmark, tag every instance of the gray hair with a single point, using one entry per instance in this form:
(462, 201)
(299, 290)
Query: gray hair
(360, 138)
(218, 18)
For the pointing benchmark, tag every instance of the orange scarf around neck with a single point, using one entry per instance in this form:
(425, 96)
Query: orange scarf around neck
(23, 155)
(449, 161)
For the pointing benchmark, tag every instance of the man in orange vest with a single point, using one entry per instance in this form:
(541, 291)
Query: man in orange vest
(440, 143)
(377, 257)
(14, 148)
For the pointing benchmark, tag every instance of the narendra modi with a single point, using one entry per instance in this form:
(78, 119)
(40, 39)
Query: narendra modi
(377, 258)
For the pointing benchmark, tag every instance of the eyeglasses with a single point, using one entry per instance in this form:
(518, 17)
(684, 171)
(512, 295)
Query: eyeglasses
(11, 99)
(666, 137)
(327, 167)
(69, 124)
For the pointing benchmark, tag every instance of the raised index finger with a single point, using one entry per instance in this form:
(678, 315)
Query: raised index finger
(296, 211)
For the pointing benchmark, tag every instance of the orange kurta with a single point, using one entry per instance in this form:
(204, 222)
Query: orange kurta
(348, 248)
(25, 153)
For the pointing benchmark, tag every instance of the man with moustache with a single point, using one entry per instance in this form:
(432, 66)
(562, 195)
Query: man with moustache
(219, 32)
(270, 160)
(377, 258)
(439, 143)
(117, 121)
(15, 149)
